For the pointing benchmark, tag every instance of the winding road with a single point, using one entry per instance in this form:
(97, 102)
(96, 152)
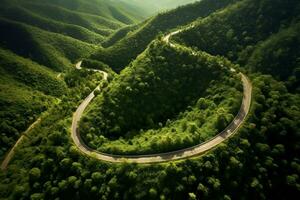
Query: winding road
(169, 156)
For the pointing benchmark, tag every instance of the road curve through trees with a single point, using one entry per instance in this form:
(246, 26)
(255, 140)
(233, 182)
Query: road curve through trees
(169, 156)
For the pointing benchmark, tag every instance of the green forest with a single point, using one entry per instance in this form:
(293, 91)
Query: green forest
(128, 99)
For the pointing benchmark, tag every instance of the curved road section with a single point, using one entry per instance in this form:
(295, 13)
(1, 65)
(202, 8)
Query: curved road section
(169, 156)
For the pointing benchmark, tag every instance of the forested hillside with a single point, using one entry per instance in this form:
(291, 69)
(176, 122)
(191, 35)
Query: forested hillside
(170, 92)
(132, 43)
(157, 5)
(154, 89)
(40, 42)
(56, 33)
(255, 34)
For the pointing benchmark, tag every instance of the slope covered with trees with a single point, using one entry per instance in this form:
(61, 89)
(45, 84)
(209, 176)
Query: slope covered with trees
(94, 14)
(52, 50)
(40, 39)
(157, 5)
(28, 17)
(264, 32)
(126, 49)
(151, 92)
(279, 55)
(27, 89)
(57, 32)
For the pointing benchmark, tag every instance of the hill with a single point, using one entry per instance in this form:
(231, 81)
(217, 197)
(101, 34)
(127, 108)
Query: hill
(27, 89)
(154, 89)
(114, 11)
(154, 6)
(41, 38)
(50, 49)
(26, 16)
(267, 35)
(279, 56)
(127, 48)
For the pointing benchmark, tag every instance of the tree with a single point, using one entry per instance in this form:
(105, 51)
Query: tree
(65, 163)
(37, 196)
(203, 189)
(291, 180)
(96, 177)
(34, 174)
(214, 182)
(221, 122)
(202, 103)
(192, 196)
(152, 193)
(19, 191)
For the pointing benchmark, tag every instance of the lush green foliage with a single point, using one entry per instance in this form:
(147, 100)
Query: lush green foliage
(52, 34)
(20, 106)
(52, 130)
(77, 19)
(123, 52)
(198, 123)
(54, 10)
(261, 161)
(94, 64)
(151, 91)
(147, 92)
(280, 56)
(27, 17)
(263, 153)
(49, 49)
(93, 12)
(154, 6)
(246, 27)
(118, 35)
(26, 90)
(57, 33)
(33, 75)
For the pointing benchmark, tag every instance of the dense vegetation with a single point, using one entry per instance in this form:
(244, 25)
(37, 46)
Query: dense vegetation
(279, 55)
(268, 31)
(57, 33)
(118, 35)
(152, 90)
(200, 122)
(260, 162)
(157, 5)
(245, 165)
(38, 37)
(52, 50)
(128, 48)
(20, 106)
(31, 74)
